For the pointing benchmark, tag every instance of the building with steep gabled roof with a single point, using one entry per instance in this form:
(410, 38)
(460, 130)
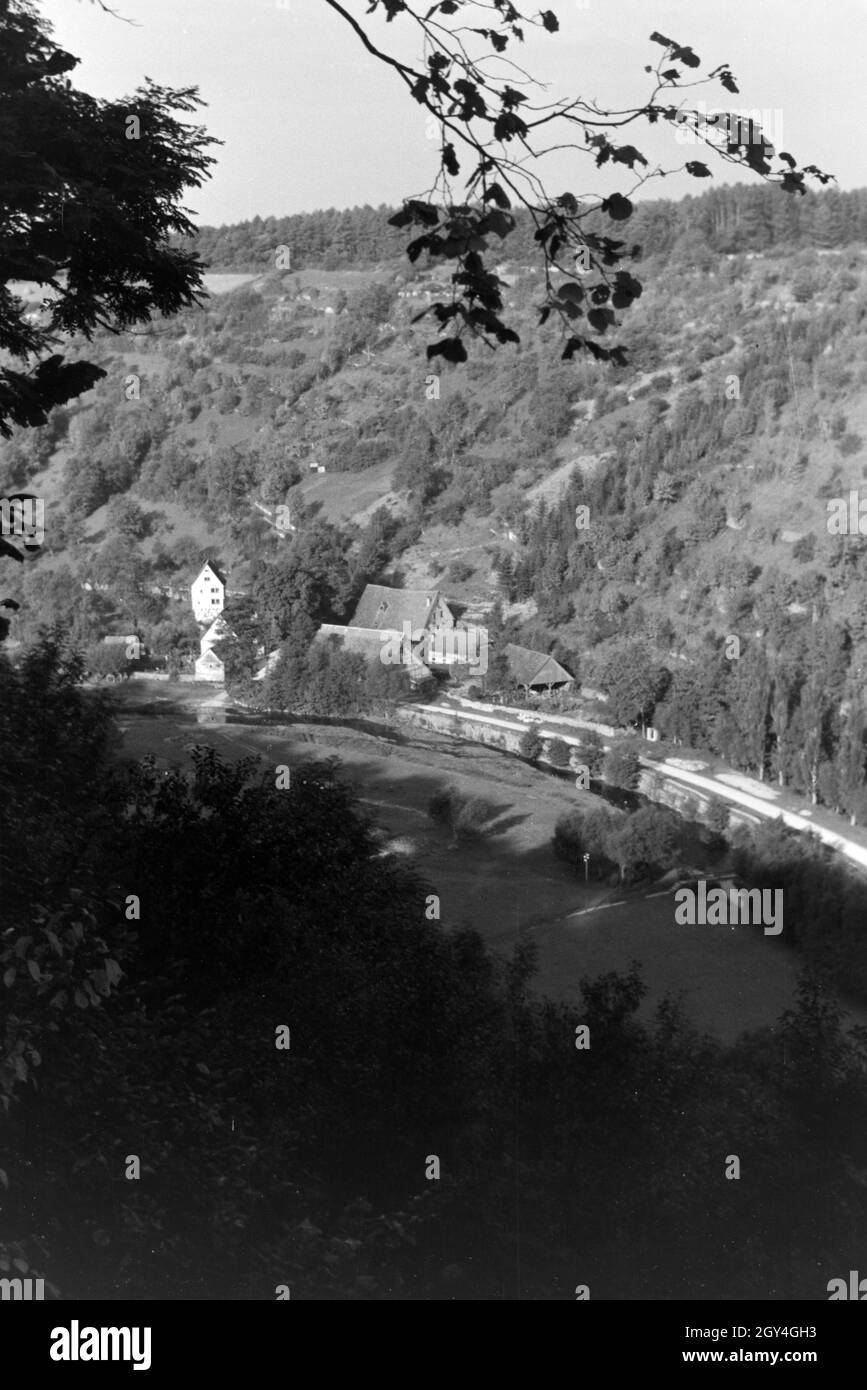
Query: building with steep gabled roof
(371, 644)
(387, 610)
(536, 671)
(208, 592)
(209, 666)
(217, 632)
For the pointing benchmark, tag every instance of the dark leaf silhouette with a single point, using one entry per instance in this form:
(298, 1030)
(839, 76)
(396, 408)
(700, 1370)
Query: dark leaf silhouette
(617, 207)
(451, 349)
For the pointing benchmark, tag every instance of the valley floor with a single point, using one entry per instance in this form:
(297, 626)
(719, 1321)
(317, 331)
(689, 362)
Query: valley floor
(509, 884)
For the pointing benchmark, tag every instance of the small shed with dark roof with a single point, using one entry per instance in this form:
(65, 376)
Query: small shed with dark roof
(536, 671)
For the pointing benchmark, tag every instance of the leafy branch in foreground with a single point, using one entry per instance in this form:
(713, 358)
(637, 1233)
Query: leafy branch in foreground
(89, 199)
(495, 127)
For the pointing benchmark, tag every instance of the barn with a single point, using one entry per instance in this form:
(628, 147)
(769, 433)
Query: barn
(535, 671)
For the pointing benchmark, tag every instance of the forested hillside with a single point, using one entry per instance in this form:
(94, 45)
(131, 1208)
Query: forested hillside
(669, 517)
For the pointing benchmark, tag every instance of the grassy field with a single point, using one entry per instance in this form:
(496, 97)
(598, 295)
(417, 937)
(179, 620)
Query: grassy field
(350, 496)
(509, 884)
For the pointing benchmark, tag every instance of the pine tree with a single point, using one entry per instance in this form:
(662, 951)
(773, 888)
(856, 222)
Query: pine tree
(748, 697)
(782, 705)
(850, 759)
(497, 673)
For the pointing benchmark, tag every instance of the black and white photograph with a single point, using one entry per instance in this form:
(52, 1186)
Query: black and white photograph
(433, 666)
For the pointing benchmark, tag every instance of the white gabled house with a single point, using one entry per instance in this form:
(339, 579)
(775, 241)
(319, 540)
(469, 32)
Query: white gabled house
(209, 666)
(208, 593)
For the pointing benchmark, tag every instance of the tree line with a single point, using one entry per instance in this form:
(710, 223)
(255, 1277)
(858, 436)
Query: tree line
(727, 220)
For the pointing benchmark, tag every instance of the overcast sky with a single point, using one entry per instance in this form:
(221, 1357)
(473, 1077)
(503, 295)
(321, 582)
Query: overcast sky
(310, 120)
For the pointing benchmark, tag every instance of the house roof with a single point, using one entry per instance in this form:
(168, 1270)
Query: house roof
(368, 641)
(213, 568)
(383, 609)
(218, 631)
(209, 658)
(534, 668)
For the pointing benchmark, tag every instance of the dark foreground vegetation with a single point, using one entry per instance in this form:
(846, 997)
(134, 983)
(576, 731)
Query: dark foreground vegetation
(151, 1029)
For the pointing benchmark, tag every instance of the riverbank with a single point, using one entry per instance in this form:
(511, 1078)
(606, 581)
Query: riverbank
(509, 886)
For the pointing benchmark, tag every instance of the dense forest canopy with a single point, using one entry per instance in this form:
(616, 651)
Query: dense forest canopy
(733, 219)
